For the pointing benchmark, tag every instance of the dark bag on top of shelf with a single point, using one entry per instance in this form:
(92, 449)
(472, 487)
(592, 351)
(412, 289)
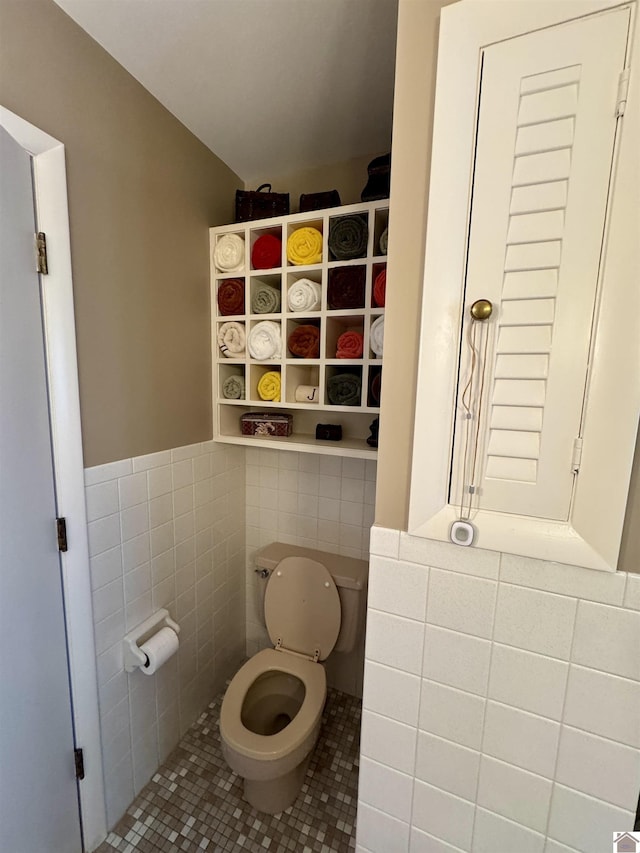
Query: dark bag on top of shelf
(260, 204)
(377, 187)
(319, 201)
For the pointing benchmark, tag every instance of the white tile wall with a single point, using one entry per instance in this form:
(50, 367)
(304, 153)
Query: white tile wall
(165, 530)
(520, 725)
(323, 502)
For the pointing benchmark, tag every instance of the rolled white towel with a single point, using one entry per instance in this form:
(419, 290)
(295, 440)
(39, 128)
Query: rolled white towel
(228, 253)
(307, 394)
(304, 295)
(265, 340)
(376, 336)
(232, 339)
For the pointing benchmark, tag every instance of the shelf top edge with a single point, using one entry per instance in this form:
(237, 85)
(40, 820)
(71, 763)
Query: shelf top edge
(308, 216)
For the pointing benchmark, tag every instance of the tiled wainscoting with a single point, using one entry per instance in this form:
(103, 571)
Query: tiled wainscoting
(501, 702)
(307, 499)
(165, 530)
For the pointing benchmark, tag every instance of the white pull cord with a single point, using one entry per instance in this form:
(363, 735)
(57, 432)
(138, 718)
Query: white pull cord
(462, 532)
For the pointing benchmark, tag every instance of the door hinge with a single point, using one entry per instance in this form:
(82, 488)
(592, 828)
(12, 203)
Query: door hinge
(576, 458)
(78, 755)
(41, 253)
(61, 528)
(623, 91)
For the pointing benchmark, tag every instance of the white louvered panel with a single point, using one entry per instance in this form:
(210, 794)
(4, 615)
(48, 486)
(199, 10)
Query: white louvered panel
(524, 339)
(522, 366)
(543, 155)
(527, 312)
(549, 196)
(516, 417)
(552, 80)
(547, 136)
(536, 227)
(550, 104)
(545, 166)
(519, 392)
(518, 443)
(530, 284)
(518, 470)
(532, 256)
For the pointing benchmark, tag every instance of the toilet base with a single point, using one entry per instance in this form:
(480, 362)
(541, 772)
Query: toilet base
(275, 795)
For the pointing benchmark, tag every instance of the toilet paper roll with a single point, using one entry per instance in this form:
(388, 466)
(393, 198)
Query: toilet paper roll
(307, 394)
(159, 649)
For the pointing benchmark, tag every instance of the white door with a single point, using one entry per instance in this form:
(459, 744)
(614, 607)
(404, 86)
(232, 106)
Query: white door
(545, 144)
(39, 811)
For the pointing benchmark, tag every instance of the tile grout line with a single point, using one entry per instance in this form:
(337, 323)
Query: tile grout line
(562, 721)
(486, 700)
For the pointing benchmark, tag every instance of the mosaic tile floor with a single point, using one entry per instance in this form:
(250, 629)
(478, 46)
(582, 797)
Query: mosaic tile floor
(194, 802)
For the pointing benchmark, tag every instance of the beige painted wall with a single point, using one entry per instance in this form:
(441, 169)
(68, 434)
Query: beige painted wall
(349, 178)
(412, 131)
(142, 193)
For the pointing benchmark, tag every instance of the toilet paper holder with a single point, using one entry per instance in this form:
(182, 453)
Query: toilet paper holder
(133, 656)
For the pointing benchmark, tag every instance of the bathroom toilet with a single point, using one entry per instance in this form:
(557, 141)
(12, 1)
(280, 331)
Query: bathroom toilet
(272, 710)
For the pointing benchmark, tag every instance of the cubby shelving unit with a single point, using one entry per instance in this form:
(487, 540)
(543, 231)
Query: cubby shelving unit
(355, 420)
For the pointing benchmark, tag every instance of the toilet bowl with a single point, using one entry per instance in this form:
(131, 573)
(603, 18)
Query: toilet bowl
(271, 713)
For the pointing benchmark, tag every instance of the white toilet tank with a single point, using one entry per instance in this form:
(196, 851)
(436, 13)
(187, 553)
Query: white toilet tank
(349, 574)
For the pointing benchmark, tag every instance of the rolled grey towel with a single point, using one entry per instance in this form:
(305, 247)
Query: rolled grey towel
(343, 389)
(265, 299)
(384, 240)
(233, 387)
(348, 236)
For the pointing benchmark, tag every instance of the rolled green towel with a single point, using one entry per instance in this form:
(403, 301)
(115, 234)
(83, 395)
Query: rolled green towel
(348, 237)
(233, 387)
(344, 389)
(265, 299)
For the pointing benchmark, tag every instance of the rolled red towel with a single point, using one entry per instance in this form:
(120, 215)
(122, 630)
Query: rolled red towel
(304, 342)
(350, 345)
(380, 288)
(266, 253)
(231, 296)
(375, 388)
(346, 287)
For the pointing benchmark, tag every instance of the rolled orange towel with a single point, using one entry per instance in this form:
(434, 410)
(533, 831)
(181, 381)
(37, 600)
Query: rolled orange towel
(304, 342)
(380, 288)
(350, 345)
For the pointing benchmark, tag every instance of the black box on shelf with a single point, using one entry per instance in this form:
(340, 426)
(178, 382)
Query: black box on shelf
(328, 432)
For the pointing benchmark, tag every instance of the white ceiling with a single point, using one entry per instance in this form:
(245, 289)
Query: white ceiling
(270, 86)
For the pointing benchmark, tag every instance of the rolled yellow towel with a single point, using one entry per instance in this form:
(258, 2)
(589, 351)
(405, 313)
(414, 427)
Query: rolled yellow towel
(304, 246)
(269, 386)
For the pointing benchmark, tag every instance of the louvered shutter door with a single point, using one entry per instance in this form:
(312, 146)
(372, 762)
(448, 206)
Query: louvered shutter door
(543, 159)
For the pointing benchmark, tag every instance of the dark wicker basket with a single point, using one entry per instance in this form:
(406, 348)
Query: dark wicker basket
(260, 204)
(319, 201)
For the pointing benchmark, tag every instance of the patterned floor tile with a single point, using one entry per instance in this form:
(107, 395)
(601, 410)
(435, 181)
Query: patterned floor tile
(194, 801)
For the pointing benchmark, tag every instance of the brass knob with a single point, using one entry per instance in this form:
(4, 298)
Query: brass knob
(481, 309)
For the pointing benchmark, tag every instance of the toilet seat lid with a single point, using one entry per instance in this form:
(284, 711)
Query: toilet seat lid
(302, 607)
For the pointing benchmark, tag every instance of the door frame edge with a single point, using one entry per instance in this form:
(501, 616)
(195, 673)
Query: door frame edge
(50, 184)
